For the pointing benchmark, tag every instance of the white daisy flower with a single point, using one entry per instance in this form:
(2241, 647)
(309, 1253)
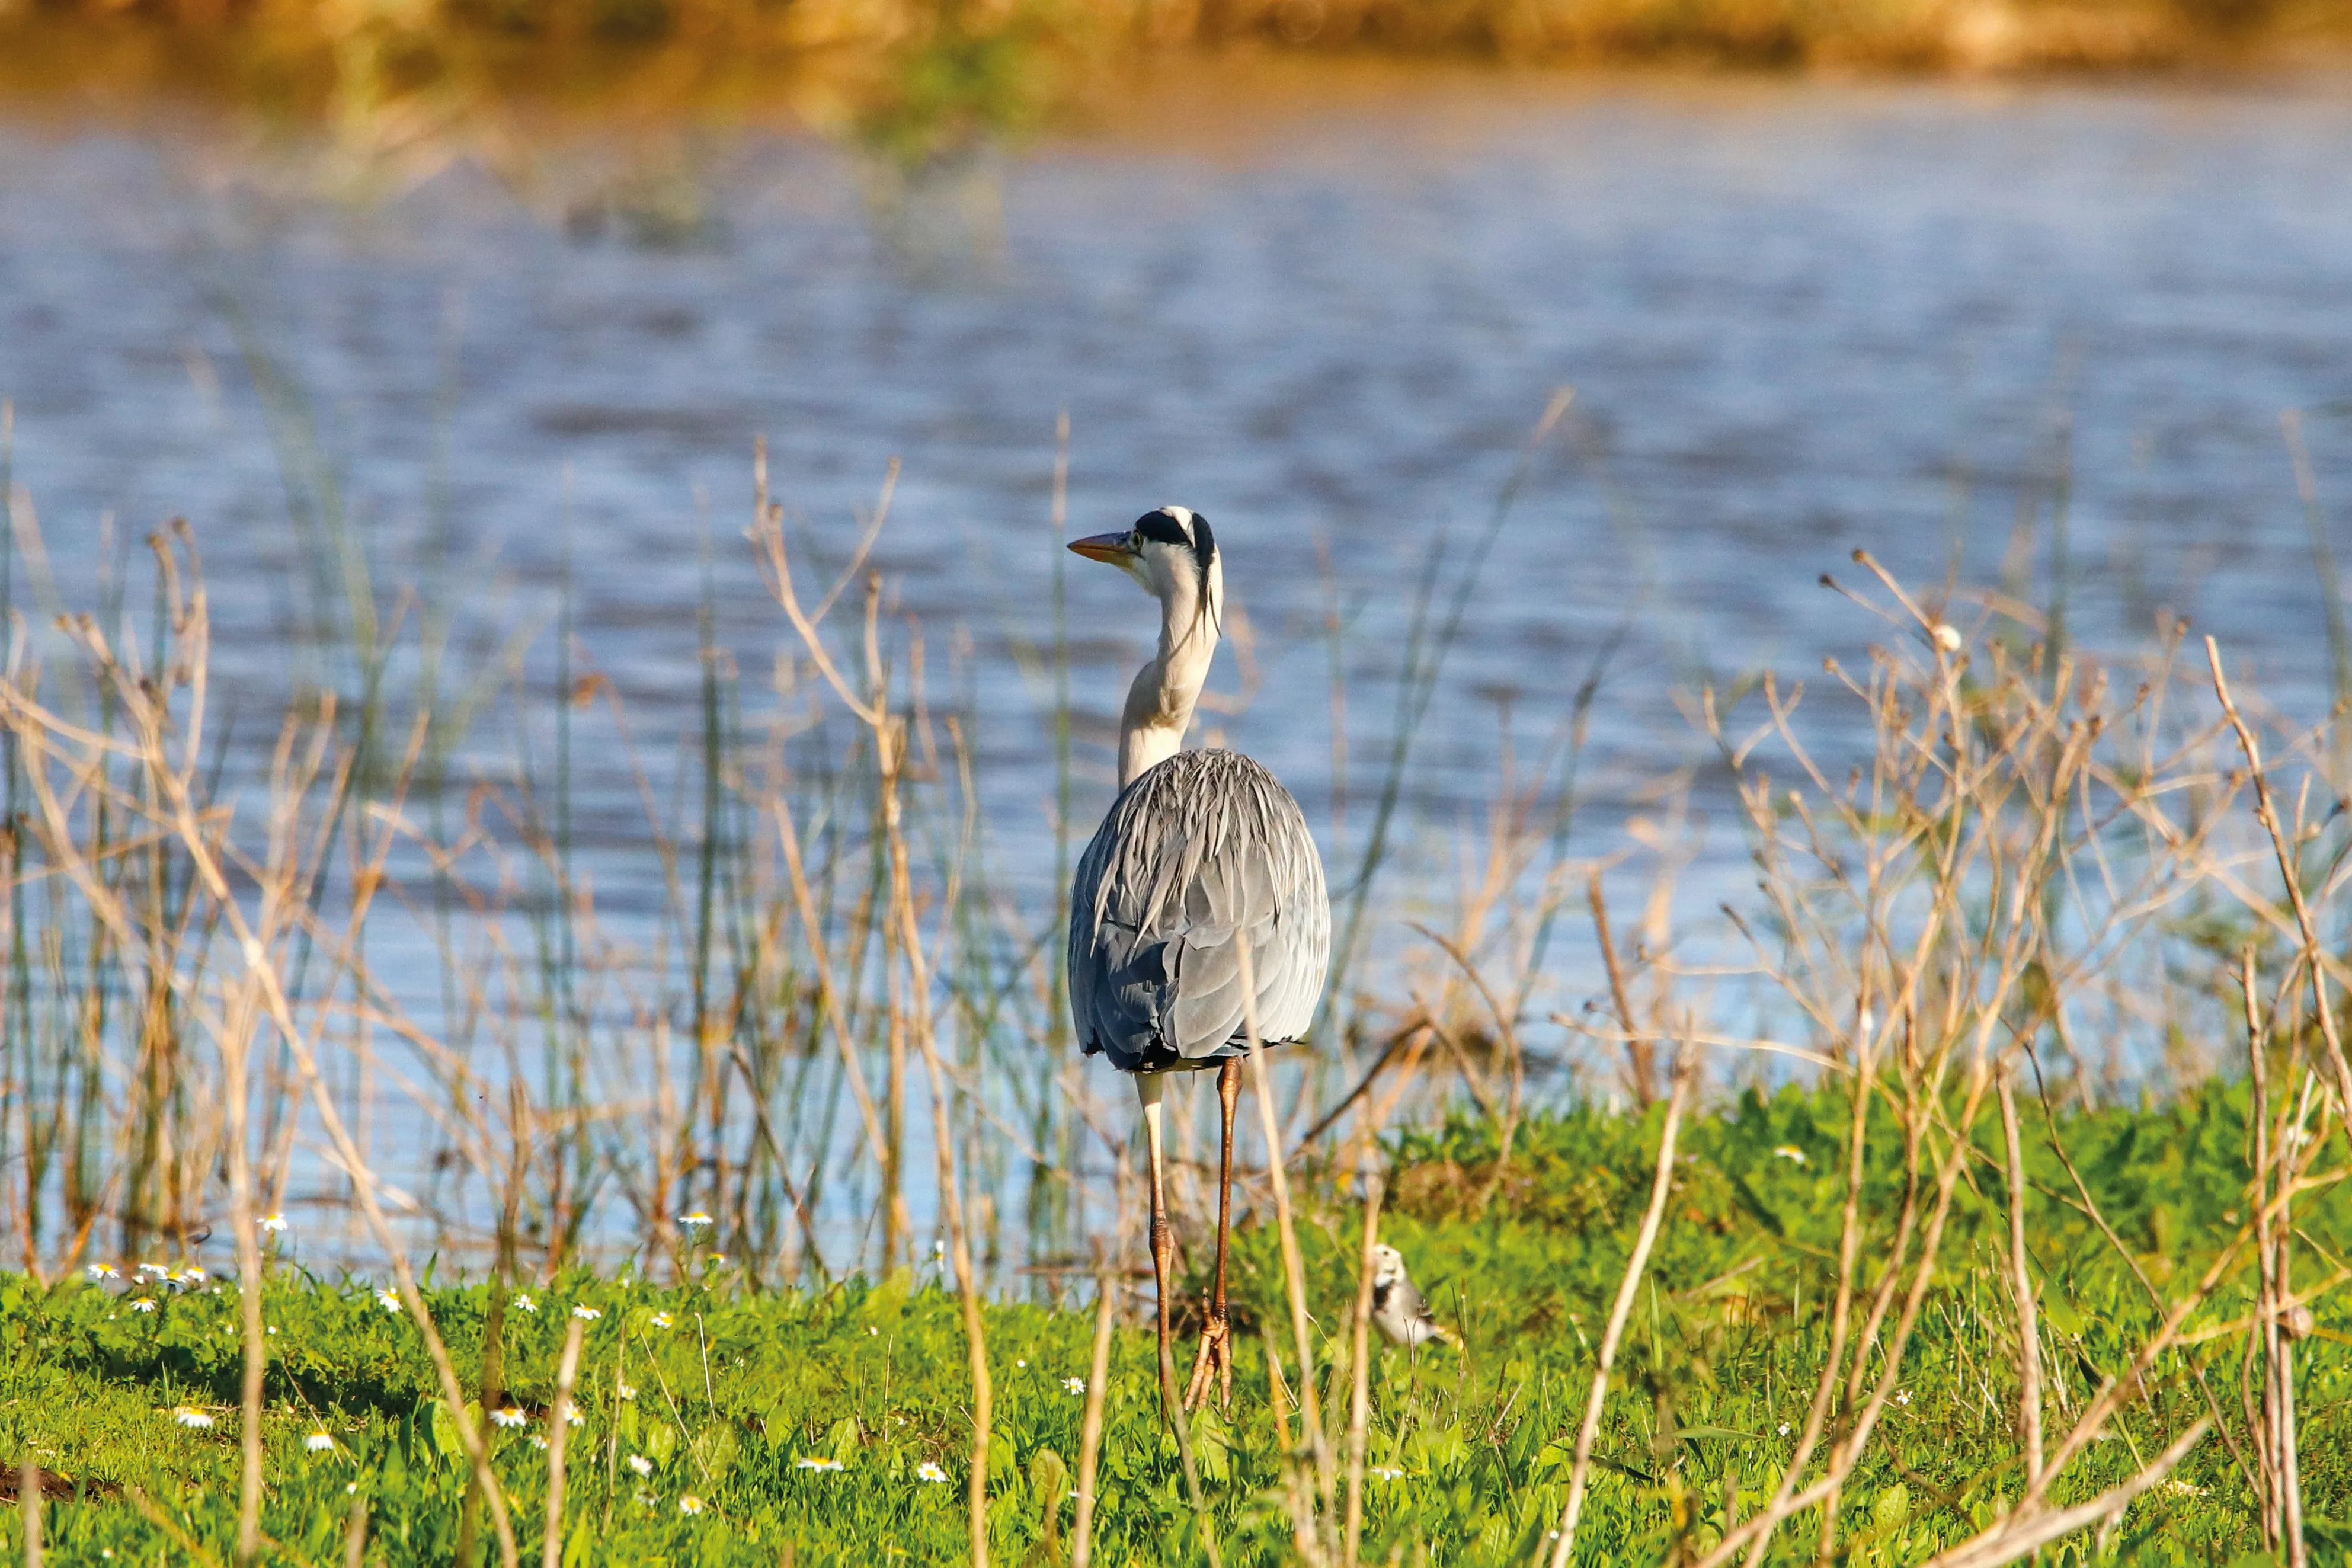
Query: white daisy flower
(193, 1276)
(1903, 1396)
(1381, 1472)
(190, 1416)
(1020, 1364)
(525, 1304)
(928, 1471)
(509, 1417)
(1791, 1154)
(389, 1300)
(587, 1314)
(273, 1223)
(572, 1417)
(1784, 1429)
(1074, 1385)
(319, 1442)
(104, 1271)
(689, 1503)
(829, 1466)
(536, 1441)
(694, 1221)
(142, 1305)
(625, 1390)
(640, 1463)
(718, 1260)
(659, 1320)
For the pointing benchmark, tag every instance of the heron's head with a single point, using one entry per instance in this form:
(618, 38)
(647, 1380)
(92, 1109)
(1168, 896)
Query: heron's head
(1171, 553)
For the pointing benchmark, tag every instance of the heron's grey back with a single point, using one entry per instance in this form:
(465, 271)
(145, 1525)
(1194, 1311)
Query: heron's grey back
(1204, 850)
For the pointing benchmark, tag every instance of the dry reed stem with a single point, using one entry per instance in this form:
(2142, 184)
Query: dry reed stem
(2088, 1207)
(1360, 1390)
(355, 1533)
(28, 1504)
(235, 1042)
(1514, 1107)
(2116, 1390)
(1685, 1073)
(2274, 1429)
(1639, 1065)
(1841, 1314)
(1995, 1546)
(1294, 1272)
(2266, 813)
(176, 811)
(968, 1288)
(1298, 1486)
(1098, 1396)
(566, 1372)
(2021, 1282)
(889, 738)
(1978, 814)
(180, 813)
(772, 537)
(1756, 1534)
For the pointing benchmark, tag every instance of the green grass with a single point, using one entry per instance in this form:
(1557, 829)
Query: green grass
(1723, 1342)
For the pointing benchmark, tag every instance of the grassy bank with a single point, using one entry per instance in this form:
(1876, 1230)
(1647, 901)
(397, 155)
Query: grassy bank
(695, 1386)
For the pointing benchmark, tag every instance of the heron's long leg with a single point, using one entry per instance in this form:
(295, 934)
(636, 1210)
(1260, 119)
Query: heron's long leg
(1149, 1087)
(1216, 1357)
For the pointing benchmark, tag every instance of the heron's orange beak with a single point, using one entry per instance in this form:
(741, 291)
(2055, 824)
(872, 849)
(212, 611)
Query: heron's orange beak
(1111, 547)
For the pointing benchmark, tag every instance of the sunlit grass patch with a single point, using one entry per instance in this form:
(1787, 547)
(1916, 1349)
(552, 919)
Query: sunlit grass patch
(835, 1419)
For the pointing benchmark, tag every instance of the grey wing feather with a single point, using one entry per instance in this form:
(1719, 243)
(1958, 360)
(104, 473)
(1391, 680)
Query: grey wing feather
(1200, 856)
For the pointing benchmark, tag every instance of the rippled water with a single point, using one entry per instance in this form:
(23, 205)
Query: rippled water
(1800, 318)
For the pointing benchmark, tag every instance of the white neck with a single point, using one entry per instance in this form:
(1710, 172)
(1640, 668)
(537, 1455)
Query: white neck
(1160, 704)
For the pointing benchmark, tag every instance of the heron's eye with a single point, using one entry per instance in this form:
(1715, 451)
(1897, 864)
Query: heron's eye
(1162, 528)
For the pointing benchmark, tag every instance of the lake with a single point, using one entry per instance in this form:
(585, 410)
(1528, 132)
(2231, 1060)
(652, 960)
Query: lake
(1800, 318)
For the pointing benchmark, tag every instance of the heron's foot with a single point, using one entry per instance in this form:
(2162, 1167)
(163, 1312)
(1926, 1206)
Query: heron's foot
(1215, 1362)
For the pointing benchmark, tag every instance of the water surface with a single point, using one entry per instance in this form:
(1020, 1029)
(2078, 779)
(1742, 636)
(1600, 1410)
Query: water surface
(1799, 318)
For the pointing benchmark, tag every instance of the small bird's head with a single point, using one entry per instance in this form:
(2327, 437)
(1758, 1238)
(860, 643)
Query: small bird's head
(1171, 553)
(1388, 1266)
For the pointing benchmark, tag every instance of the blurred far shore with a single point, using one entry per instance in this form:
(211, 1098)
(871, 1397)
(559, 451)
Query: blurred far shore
(918, 80)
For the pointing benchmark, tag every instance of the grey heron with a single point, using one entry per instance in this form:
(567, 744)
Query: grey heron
(1202, 872)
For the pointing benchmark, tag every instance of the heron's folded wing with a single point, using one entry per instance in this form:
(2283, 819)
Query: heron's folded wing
(1115, 978)
(1204, 853)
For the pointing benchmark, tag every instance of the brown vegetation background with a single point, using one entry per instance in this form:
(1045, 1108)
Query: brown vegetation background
(918, 75)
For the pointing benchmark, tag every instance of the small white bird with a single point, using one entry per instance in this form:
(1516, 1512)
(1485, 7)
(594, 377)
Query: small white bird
(1399, 1309)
